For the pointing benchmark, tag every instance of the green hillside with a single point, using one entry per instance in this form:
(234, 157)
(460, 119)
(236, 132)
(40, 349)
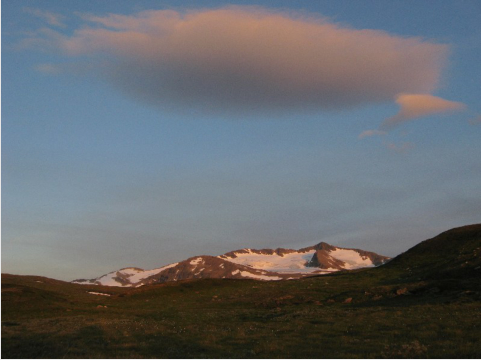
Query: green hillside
(424, 303)
(455, 254)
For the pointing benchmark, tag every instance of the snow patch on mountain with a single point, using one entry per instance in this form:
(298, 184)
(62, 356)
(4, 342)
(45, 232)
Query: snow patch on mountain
(112, 279)
(351, 258)
(124, 277)
(294, 262)
(196, 261)
(259, 277)
(97, 293)
(145, 274)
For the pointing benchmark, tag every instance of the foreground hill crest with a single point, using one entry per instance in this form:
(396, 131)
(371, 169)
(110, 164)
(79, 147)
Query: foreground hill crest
(264, 264)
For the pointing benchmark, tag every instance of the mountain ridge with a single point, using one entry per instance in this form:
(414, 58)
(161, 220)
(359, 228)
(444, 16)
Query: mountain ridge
(259, 264)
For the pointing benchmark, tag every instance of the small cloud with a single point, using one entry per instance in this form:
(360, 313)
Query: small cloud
(475, 121)
(419, 105)
(51, 69)
(400, 148)
(368, 133)
(51, 18)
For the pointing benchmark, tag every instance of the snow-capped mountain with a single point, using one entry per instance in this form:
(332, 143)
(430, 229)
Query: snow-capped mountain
(265, 264)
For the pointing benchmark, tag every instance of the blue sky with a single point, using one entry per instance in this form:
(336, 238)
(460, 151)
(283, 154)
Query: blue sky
(142, 133)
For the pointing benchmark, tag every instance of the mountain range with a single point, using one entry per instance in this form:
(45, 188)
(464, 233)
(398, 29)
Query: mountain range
(265, 264)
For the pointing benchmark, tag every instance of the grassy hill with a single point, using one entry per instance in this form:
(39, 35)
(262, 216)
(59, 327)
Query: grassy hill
(455, 254)
(424, 303)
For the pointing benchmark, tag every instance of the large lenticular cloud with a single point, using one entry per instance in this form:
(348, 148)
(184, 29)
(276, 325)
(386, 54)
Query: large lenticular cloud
(244, 59)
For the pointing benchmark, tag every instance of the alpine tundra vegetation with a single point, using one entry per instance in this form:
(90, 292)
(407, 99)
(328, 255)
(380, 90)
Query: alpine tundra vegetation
(424, 303)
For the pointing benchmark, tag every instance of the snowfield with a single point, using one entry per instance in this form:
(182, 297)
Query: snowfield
(110, 278)
(97, 293)
(131, 276)
(295, 262)
(351, 258)
(259, 277)
(146, 273)
(288, 263)
(255, 276)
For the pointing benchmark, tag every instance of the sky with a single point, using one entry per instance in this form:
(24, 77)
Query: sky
(141, 133)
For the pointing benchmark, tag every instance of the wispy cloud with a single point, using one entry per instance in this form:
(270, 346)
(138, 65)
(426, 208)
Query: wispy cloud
(419, 105)
(475, 121)
(368, 133)
(400, 148)
(48, 68)
(49, 17)
(246, 59)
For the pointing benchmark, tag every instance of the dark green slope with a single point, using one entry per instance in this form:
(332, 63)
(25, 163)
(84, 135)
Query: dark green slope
(455, 253)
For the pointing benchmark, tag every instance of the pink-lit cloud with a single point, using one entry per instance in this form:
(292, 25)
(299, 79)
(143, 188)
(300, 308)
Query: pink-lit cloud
(419, 105)
(369, 133)
(401, 147)
(49, 17)
(48, 69)
(476, 120)
(250, 58)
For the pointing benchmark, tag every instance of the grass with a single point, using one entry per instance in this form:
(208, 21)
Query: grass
(393, 313)
(240, 319)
